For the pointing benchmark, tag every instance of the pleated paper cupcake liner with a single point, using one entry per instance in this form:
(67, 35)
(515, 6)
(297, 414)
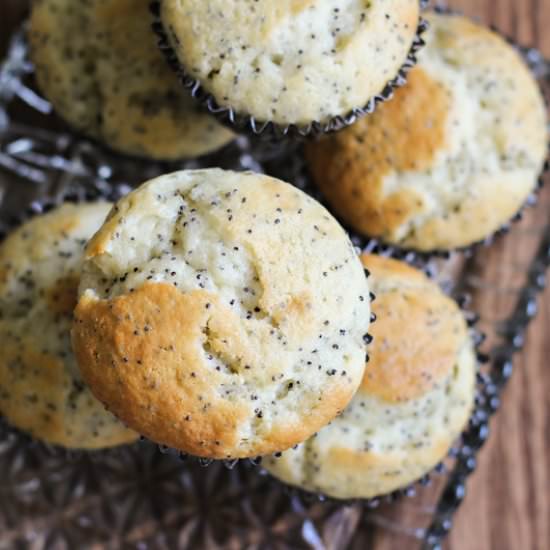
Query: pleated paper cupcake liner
(242, 122)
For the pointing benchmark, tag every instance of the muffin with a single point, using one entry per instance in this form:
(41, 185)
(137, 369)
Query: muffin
(41, 390)
(294, 63)
(415, 399)
(222, 314)
(99, 65)
(453, 157)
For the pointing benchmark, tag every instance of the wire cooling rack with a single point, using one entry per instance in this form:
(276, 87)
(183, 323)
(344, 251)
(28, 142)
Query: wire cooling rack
(138, 497)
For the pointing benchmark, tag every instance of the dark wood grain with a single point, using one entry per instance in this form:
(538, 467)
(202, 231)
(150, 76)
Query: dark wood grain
(508, 502)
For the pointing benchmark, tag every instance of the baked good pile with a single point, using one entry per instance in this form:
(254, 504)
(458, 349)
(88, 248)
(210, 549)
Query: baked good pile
(228, 315)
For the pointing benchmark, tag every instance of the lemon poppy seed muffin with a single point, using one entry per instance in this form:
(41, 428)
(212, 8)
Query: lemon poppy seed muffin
(41, 390)
(453, 157)
(99, 65)
(222, 314)
(415, 399)
(291, 61)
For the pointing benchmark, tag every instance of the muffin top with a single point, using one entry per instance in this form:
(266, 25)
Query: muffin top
(292, 61)
(41, 390)
(99, 65)
(222, 314)
(416, 396)
(452, 157)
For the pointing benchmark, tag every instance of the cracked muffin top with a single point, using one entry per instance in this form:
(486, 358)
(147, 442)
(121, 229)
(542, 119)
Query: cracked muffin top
(222, 314)
(41, 390)
(98, 63)
(416, 396)
(292, 61)
(453, 157)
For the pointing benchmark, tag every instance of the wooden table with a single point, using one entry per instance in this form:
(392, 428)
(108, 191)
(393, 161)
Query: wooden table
(508, 502)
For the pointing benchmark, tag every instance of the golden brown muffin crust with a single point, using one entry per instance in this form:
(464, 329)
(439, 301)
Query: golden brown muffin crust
(62, 297)
(177, 380)
(107, 333)
(416, 396)
(433, 333)
(403, 134)
(453, 157)
(416, 336)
